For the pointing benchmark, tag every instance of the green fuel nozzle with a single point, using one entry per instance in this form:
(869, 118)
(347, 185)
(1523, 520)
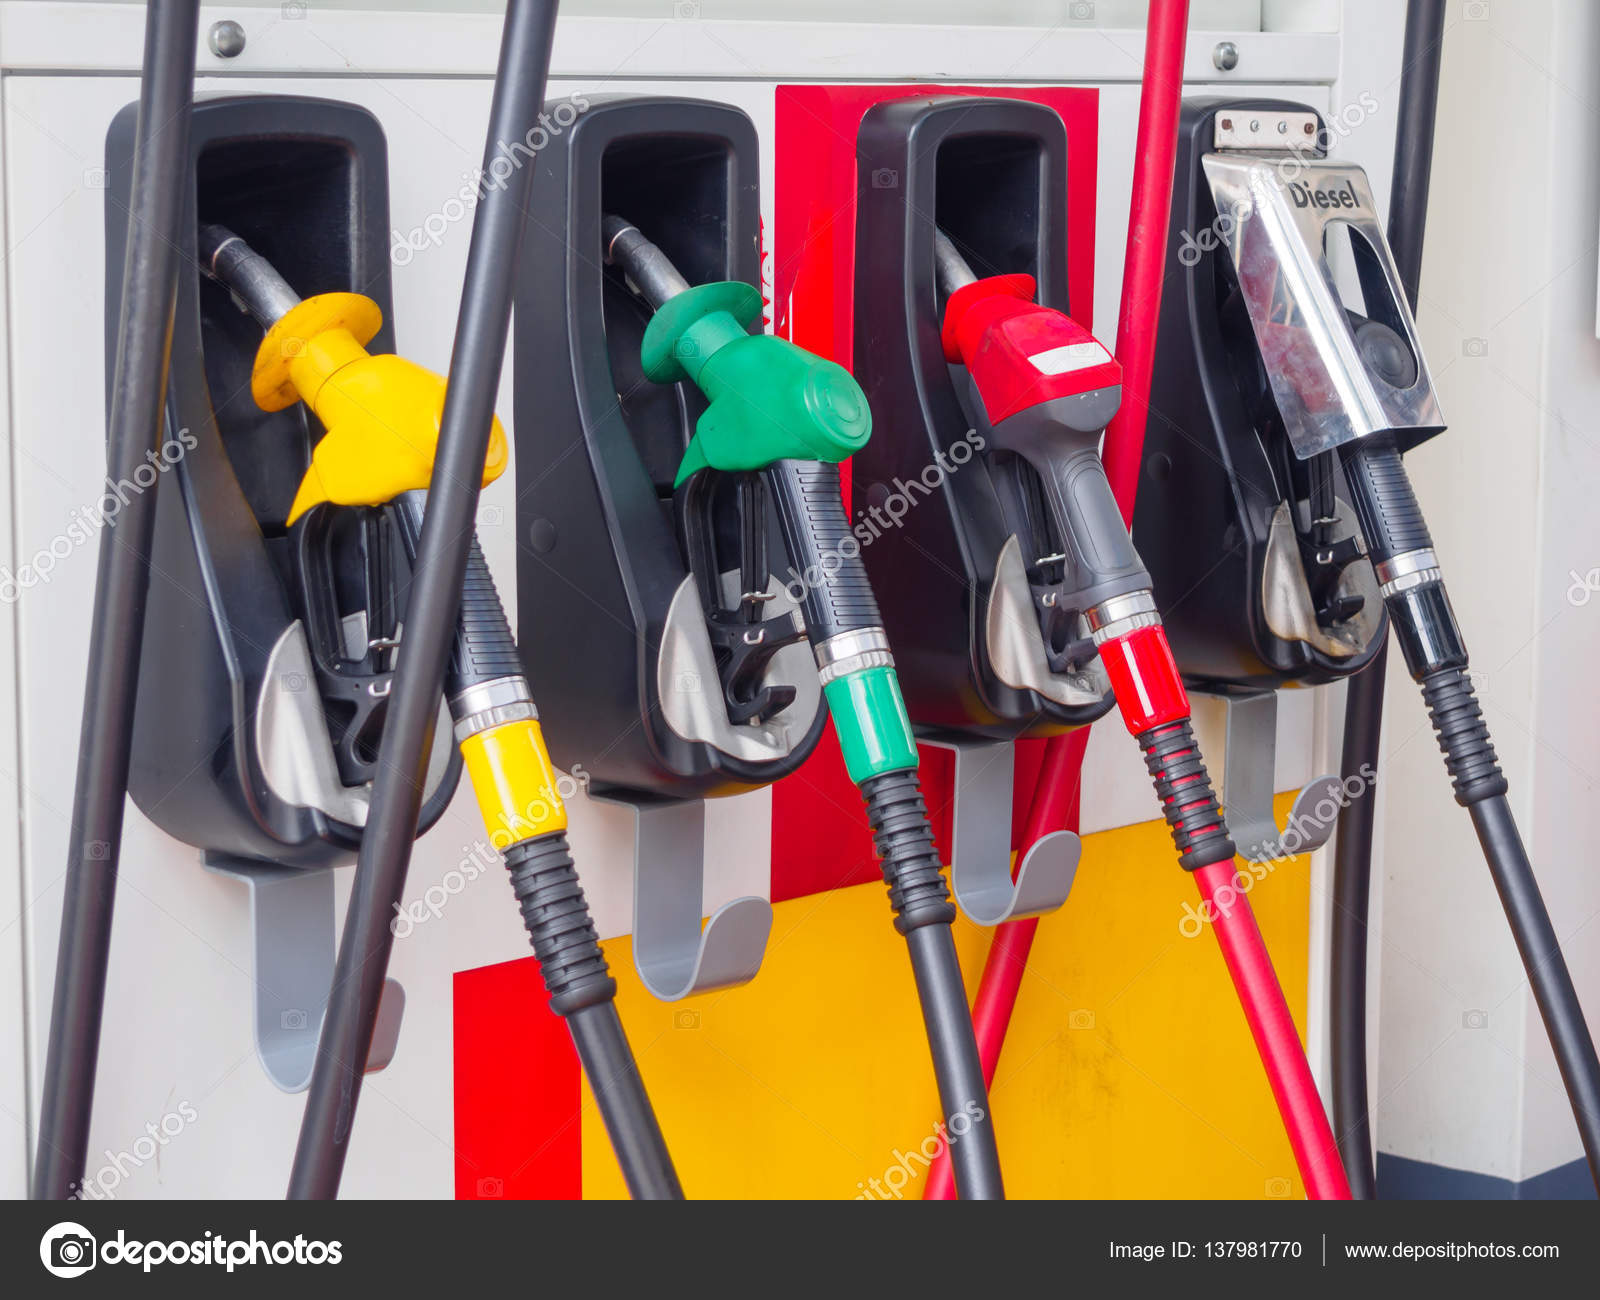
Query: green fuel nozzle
(769, 399)
(777, 408)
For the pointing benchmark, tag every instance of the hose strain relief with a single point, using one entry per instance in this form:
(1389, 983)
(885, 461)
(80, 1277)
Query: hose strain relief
(1187, 800)
(1463, 736)
(559, 925)
(903, 838)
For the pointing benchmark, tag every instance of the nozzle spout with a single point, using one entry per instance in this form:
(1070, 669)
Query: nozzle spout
(253, 280)
(652, 273)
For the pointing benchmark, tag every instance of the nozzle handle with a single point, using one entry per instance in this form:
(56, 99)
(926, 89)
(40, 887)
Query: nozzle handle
(826, 555)
(1061, 440)
(484, 649)
(1385, 506)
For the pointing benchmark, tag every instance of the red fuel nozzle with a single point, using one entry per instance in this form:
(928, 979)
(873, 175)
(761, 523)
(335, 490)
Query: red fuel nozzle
(1019, 353)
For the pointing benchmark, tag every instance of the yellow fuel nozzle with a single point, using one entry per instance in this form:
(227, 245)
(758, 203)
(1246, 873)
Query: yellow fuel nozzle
(381, 412)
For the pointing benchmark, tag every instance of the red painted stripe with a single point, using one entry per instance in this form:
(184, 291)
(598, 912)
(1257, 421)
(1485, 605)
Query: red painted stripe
(519, 1132)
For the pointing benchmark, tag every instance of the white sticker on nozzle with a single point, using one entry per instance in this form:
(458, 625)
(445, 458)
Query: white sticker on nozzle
(1069, 357)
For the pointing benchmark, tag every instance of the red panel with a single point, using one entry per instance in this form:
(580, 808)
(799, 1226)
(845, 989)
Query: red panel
(819, 832)
(519, 1135)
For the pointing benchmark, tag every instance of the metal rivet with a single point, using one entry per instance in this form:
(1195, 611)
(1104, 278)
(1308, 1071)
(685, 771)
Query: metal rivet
(1225, 56)
(226, 39)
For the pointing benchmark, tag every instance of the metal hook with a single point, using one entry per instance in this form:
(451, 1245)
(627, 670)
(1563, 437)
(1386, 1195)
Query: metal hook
(1249, 757)
(291, 920)
(673, 955)
(980, 858)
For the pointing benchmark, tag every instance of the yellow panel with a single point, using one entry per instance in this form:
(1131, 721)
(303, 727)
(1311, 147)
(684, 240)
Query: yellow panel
(1128, 1070)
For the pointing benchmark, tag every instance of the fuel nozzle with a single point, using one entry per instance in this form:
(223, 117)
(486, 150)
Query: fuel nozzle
(1048, 388)
(768, 398)
(770, 402)
(315, 351)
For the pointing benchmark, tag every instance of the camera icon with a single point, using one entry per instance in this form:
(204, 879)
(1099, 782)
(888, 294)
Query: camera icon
(491, 1188)
(686, 11)
(294, 683)
(685, 347)
(1080, 1019)
(1474, 1019)
(292, 11)
(1080, 11)
(1475, 11)
(97, 851)
(885, 178)
(686, 683)
(96, 178)
(293, 1018)
(291, 347)
(68, 1250)
(1279, 1189)
(1474, 347)
(490, 516)
(686, 1020)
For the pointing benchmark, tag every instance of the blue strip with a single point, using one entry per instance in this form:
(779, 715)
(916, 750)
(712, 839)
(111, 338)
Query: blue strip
(1400, 1179)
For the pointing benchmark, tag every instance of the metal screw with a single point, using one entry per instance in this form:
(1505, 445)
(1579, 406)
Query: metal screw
(226, 39)
(1225, 56)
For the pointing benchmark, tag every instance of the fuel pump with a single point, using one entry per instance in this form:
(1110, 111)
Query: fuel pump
(780, 412)
(1326, 374)
(382, 414)
(1040, 388)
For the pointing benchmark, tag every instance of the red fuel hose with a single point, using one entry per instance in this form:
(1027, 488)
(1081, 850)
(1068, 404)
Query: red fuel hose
(1155, 156)
(1315, 1152)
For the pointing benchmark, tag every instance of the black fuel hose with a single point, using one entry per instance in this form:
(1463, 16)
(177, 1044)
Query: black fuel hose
(476, 359)
(1424, 623)
(1363, 709)
(122, 583)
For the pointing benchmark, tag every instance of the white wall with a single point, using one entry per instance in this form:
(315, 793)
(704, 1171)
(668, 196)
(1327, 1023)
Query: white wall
(1508, 321)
